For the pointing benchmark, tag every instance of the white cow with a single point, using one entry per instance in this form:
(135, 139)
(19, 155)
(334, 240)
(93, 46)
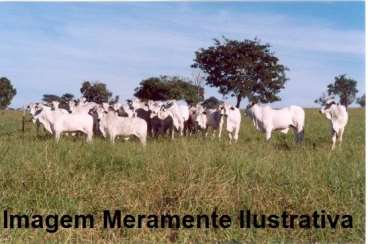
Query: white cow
(60, 122)
(177, 113)
(55, 106)
(182, 107)
(123, 109)
(160, 121)
(209, 118)
(167, 114)
(81, 107)
(232, 119)
(190, 124)
(338, 116)
(34, 109)
(113, 125)
(266, 119)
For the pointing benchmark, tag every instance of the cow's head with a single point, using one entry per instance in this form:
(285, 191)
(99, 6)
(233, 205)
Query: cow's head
(327, 108)
(249, 108)
(154, 108)
(163, 113)
(100, 112)
(33, 108)
(225, 109)
(54, 105)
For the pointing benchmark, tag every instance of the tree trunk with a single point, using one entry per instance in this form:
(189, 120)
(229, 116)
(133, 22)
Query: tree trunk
(238, 100)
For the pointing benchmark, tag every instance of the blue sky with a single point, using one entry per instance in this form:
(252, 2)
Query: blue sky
(53, 47)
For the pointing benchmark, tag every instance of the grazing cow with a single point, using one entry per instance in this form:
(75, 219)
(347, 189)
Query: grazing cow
(338, 116)
(113, 125)
(266, 119)
(59, 122)
(209, 118)
(232, 119)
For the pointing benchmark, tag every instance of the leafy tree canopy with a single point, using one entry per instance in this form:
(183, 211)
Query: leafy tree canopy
(7, 92)
(343, 87)
(97, 92)
(63, 100)
(361, 101)
(169, 87)
(212, 102)
(244, 69)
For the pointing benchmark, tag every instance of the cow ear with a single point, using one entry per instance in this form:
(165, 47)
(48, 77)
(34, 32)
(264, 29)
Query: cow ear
(232, 108)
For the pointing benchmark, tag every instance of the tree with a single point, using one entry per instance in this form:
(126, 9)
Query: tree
(97, 92)
(64, 100)
(50, 97)
(211, 102)
(169, 87)
(361, 101)
(67, 97)
(7, 92)
(343, 87)
(244, 69)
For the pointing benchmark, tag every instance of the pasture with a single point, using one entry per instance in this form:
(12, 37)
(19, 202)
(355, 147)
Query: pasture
(188, 175)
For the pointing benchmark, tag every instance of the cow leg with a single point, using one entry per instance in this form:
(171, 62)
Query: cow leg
(89, 136)
(268, 134)
(57, 136)
(340, 135)
(181, 129)
(230, 136)
(172, 134)
(296, 134)
(236, 135)
(333, 140)
(220, 129)
(112, 138)
(142, 139)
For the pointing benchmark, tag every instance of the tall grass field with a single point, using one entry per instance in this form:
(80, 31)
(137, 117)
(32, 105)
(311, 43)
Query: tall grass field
(189, 175)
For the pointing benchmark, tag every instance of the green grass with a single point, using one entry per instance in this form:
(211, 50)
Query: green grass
(189, 175)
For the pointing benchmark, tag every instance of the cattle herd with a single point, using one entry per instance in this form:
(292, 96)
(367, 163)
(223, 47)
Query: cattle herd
(140, 119)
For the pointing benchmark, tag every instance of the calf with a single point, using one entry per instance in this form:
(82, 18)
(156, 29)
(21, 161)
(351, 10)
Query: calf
(232, 119)
(338, 117)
